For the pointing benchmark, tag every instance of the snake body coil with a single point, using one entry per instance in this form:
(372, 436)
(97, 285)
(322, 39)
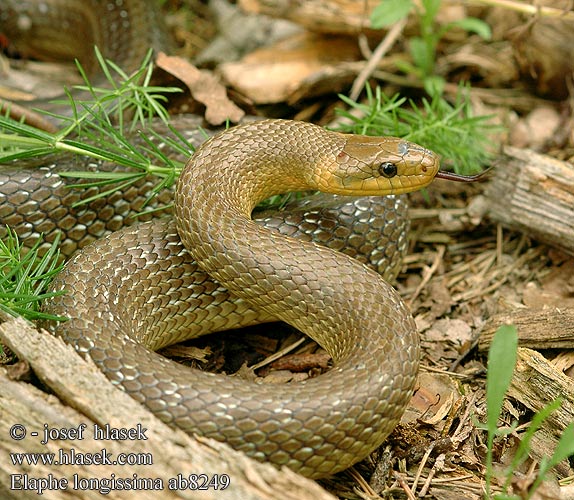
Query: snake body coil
(63, 30)
(138, 290)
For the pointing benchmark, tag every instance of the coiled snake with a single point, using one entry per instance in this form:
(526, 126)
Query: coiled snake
(138, 290)
(135, 288)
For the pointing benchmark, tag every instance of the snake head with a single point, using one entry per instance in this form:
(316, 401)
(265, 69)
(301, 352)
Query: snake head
(373, 166)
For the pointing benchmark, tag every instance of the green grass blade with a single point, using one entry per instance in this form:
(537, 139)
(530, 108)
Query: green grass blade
(523, 450)
(501, 362)
(563, 451)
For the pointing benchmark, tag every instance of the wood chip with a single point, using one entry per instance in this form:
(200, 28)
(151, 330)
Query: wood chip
(434, 396)
(302, 362)
(332, 16)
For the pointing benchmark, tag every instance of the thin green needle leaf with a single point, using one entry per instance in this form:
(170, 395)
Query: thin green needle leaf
(184, 146)
(165, 183)
(12, 141)
(111, 176)
(25, 130)
(105, 180)
(24, 277)
(103, 194)
(99, 153)
(25, 154)
(105, 65)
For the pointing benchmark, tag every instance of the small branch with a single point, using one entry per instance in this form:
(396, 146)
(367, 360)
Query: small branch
(377, 55)
(428, 274)
(525, 8)
(30, 117)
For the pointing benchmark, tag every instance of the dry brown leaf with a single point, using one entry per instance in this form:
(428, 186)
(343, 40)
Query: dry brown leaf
(455, 331)
(276, 73)
(433, 398)
(557, 288)
(204, 87)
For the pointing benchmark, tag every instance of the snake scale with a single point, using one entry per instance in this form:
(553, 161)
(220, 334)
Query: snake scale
(212, 268)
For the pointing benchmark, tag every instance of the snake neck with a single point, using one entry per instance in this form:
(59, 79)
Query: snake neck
(318, 291)
(233, 171)
(244, 165)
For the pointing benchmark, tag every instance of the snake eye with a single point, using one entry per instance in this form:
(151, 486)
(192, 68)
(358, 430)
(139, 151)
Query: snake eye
(388, 169)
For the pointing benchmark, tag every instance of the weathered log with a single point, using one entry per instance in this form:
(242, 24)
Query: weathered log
(550, 328)
(535, 384)
(83, 396)
(534, 193)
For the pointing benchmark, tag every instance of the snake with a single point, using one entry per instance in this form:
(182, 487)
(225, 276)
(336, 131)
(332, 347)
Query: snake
(210, 267)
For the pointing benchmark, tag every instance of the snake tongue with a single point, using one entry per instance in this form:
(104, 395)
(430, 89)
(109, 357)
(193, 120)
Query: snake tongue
(451, 176)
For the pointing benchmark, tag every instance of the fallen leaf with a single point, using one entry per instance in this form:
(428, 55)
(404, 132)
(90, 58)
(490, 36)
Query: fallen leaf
(434, 396)
(279, 72)
(205, 88)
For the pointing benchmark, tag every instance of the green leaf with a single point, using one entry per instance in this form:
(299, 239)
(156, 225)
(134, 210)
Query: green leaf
(409, 69)
(523, 450)
(501, 361)
(423, 54)
(430, 8)
(389, 12)
(434, 85)
(474, 25)
(564, 450)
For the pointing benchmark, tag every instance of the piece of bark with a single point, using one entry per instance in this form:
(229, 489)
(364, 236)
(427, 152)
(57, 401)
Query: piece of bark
(329, 16)
(549, 328)
(92, 399)
(534, 193)
(536, 383)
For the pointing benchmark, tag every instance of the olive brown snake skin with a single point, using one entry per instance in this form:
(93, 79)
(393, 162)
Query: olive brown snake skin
(138, 290)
